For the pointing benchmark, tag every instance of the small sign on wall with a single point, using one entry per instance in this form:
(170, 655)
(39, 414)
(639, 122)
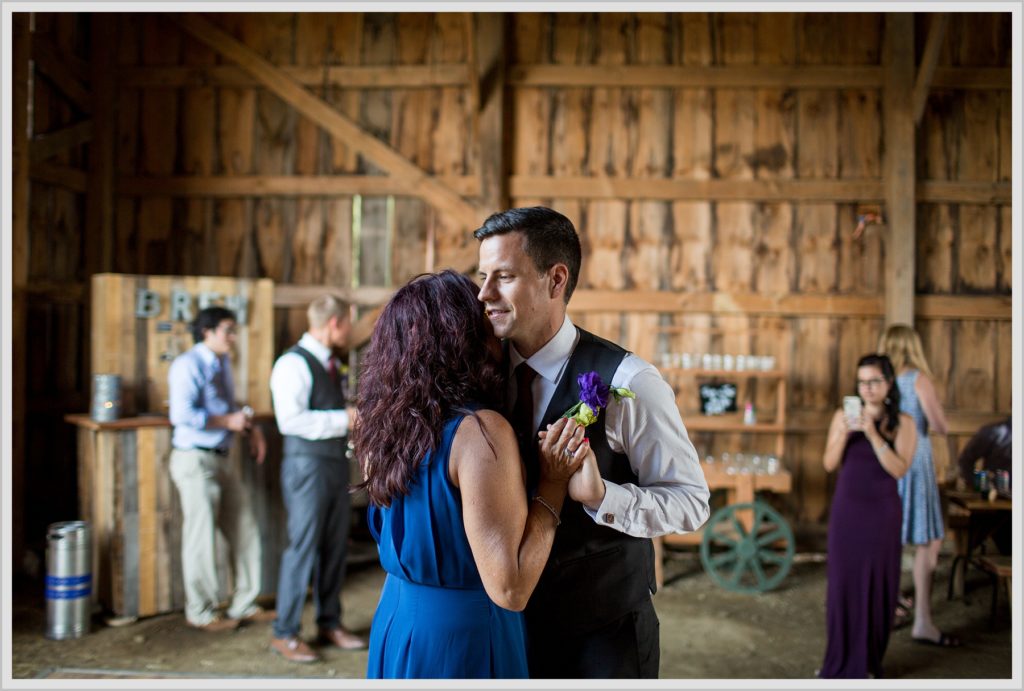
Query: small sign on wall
(141, 323)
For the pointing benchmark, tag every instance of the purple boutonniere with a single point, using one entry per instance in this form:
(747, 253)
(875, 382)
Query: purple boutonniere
(594, 395)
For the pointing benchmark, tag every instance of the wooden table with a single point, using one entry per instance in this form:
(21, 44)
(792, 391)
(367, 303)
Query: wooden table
(984, 518)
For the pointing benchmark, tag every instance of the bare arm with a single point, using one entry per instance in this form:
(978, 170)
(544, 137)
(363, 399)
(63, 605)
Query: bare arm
(510, 537)
(838, 431)
(929, 398)
(896, 461)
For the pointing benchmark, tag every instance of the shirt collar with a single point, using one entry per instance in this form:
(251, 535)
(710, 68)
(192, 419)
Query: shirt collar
(315, 347)
(549, 361)
(208, 357)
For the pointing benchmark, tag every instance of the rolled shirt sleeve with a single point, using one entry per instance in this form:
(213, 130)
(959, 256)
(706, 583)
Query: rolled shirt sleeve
(671, 494)
(291, 383)
(186, 381)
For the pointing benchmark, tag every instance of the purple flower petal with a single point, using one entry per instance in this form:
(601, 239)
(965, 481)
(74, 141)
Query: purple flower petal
(593, 391)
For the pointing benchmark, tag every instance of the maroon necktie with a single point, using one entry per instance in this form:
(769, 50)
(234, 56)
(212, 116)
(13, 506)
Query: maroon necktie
(332, 372)
(522, 422)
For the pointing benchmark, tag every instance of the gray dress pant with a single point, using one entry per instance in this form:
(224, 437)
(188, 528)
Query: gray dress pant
(315, 492)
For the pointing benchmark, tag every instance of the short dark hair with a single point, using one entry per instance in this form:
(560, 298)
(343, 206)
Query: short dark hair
(550, 238)
(209, 318)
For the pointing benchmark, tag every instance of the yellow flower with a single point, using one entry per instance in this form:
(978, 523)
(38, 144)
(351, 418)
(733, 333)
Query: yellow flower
(585, 415)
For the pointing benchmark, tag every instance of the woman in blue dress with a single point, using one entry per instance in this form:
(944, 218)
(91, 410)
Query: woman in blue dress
(462, 546)
(919, 489)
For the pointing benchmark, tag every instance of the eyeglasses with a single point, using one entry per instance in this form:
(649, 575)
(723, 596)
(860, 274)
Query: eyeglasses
(870, 383)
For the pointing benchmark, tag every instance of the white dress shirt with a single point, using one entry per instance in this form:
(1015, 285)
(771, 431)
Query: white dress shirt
(671, 494)
(291, 382)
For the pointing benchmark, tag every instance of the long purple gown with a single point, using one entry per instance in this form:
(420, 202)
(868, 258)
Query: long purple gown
(863, 564)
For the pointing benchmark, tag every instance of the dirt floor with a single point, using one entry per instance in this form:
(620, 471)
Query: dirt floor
(706, 633)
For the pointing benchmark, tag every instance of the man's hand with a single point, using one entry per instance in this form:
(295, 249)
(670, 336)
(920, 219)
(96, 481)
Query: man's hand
(257, 444)
(586, 485)
(237, 421)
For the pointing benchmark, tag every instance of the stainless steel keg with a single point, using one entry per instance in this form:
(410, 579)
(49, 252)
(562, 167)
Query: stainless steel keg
(68, 579)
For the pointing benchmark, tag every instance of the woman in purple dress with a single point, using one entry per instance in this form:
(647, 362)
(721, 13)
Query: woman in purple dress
(864, 548)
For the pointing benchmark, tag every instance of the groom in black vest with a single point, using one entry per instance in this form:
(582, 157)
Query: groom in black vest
(591, 615)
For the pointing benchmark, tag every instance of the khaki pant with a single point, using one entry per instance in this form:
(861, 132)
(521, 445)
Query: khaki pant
(212, 496)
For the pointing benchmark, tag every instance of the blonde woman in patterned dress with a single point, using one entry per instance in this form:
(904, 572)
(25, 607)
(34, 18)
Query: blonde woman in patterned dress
(919, 489)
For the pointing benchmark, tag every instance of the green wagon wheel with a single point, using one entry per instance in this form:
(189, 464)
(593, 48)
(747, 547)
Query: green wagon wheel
(747, 562)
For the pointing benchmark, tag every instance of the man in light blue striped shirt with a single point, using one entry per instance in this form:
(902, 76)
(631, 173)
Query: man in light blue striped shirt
(206, 417)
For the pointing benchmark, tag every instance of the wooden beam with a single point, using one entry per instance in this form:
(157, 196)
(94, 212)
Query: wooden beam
(70, 292)
(964, 307)
(52, 143)
(752, 190)
(21, 50)
(697, 190)
(79, 67)
(696, 77)
(936, 35)
(490, 145)
(296, 295)
(99, 202)
(899, 168)
(319, 111)
(984, 78)
(345, 77)
(282, 185)
(961, 192)
(53, 64)
(62, 176)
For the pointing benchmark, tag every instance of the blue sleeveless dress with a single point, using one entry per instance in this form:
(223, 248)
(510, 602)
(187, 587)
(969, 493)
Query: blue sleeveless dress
(434, 619)
(919, 490)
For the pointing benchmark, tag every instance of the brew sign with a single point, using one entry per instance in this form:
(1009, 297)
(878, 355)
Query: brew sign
(717, 398)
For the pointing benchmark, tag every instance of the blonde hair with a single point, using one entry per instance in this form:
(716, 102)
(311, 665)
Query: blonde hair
(323, 308)
(903, 346)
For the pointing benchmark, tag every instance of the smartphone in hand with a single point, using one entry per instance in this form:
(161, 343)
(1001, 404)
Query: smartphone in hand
(852, 411)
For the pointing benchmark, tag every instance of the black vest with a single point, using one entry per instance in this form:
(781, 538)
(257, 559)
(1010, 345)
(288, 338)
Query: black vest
(323, 396)
(595, 574)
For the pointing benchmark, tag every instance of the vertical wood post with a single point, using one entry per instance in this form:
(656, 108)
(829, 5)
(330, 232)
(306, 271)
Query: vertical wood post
(99, 201)
(21, 52)
(489, 73)
(899, 168)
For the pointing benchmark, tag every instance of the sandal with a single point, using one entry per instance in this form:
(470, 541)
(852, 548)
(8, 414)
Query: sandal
(945, 641)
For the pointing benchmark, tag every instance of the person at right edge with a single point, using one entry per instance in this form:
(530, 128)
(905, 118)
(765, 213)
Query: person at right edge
(591, 615)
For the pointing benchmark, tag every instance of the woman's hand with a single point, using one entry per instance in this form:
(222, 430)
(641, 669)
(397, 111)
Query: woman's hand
(586, 486)
(563, 448)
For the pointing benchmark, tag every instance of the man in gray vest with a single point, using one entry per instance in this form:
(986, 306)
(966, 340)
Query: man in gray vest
(591, 615)
(309, 404)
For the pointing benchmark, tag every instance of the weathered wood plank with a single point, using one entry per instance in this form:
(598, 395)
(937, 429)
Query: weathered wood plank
(347, 77)
(321, 112)
(929, 60)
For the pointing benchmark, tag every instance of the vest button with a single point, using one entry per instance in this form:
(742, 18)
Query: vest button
(609, 518)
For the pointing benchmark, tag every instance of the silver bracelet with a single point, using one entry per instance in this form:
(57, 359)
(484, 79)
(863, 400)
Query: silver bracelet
(549, 507)
(880, 448)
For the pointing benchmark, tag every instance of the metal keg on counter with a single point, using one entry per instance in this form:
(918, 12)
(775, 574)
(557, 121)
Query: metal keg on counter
(68, 579)
(106, 397)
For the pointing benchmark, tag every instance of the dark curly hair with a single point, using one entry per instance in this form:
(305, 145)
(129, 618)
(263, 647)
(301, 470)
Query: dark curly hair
(892, 401)
(428, 359)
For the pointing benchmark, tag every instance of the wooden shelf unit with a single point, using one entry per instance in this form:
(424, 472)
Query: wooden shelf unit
(740, 488)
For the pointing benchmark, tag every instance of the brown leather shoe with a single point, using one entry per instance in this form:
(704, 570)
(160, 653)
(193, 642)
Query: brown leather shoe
(216, 625)
(260, 615)
(340, 638)
(293, 649)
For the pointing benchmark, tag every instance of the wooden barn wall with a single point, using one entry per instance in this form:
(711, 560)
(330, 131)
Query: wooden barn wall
(775, 247)
(172, 123)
